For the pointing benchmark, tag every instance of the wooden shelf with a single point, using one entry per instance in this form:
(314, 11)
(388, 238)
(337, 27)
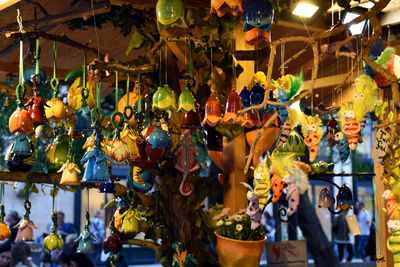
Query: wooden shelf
(34, 177)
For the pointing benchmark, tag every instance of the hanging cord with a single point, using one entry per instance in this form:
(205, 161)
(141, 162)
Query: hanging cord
(55, 83)
(388, 37)
(36, 57)
(84, 90)
(139, 101)
(116, 91)
(333, 14)
(27, 203)
(20, 90)
(166, 60)
(95, 30)
(19, 21)
(160, 66)
(211, 65)
(283, 59)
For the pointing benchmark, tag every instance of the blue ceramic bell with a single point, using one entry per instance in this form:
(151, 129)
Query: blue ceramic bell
(344, 198)
(30, 72)
(257, 97)
(108, 187)
(96, 169)
(245, 97)
(19, 155)
(142, 180)
(86, 239)
(159, 139)
(283, 98)
(258, 14)
(326, 200)
(83, 120)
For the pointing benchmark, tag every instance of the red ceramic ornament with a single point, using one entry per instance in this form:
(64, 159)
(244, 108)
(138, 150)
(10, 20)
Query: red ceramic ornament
(221, 7)
(233, 105)
(36, 106)
(257, 36)
(190, 120)
(113, 244)
(213, 111)
(20, 121)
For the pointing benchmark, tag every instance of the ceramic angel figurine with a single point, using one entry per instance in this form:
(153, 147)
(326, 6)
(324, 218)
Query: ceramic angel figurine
(312, 132)
(70, 174)
(25, 230)
(86, 239)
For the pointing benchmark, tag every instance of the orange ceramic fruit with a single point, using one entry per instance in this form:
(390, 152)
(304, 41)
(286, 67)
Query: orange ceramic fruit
(55, 109)
(5, 231)
(20, 121)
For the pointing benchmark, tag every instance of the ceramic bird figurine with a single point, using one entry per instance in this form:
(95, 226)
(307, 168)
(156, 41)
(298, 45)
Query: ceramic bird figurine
(70, 174)
(253, 209)
(25, 230)
(344, 198)
(326, 200)
(292, 194)
(181, 257)
(351, 115)
(312, 132)
(261, 182)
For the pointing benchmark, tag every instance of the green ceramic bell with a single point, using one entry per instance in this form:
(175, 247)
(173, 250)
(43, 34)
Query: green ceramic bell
(57, 153)
(166, 99)
(155, 98)
(186, 101)
(170, 13)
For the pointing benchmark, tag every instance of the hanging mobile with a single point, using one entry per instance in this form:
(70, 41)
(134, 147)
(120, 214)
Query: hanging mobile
(83, 119)
(54, 240)
(70, 170)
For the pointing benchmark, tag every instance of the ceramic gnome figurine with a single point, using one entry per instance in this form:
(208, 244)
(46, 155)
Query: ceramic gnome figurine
(181, 256)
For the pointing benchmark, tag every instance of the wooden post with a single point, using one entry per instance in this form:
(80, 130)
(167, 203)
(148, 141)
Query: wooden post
(381, 233)
(234, 153)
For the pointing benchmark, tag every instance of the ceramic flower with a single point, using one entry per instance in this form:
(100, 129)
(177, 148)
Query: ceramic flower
(5, 231)
(186, 101)
(55, 109)
(53, 241)
(118, 150)
(70, 174)
(164, 99)
(213, 111)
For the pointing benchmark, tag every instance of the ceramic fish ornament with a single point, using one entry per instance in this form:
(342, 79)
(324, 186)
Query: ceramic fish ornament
(292, 194)
(233, 105)
(253, 209)
(181, 257)
(342, 146)
(351, 115)
(392, 207)
(344, 198)
(221, 7)
(25, 230)
(312, 132)
(326, 200)
(332, 128)
(130, 223)
(212, 111)
(70, 174)
(261, 183)
(170, 13)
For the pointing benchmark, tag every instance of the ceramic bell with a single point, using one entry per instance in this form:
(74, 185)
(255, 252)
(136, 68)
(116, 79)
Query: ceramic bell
(83, 120)
(130, 223)
(29, 73)
(212, 111)
(344, 198)
(20, 154)
(326, 200)
(118, 150)
(221, 7)
(257, 21)
(70, 174)
(249, 119)
(233, 105)
(36, 103)
(186, 101)
(113, 244)
(54, 109)
(190, 120)
(5, 231)
(96, 166)
(256, 36)
(170, 13)
(57, 153)
(164, 98)
(20, 121)
(86, 239)
(214, 145)
(148, 154)
(142, 180)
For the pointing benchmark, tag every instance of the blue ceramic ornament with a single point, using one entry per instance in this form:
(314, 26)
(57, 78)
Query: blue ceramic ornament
(20, 155)
(30, 72)
(108, 187)
(283, 98)
(245, 97)
(342, 146)
(22, 145)
(83, 120)
(375, 52)
(258, 14)
(86, 239)
(257, 94)
(326, 200)
(142, 180)
(159, 139)
(96, 169)
(344, 198)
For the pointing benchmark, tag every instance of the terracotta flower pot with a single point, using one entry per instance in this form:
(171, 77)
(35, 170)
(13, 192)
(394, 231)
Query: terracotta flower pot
(239, 253)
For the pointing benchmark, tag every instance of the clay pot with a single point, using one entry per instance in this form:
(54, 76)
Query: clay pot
(239, 253)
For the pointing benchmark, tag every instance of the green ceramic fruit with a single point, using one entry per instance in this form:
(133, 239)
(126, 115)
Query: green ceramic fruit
(170, 13)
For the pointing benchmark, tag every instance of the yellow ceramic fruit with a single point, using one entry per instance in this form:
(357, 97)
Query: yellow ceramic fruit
(74, 93)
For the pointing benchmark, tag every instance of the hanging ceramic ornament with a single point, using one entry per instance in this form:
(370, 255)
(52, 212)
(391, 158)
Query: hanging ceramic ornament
(130, 223)
(233, 105)
(36, 103)
(280, 165)
(170, 13)
(185, 161)
(96, 166)
(385, 60)
(164, 99)
(257, 95)
(392, 207)
(181, 257)
(159, 139)
(292, 194)
(186, 101)
(131, 138)
(261, 182)
(366, 90)
(57, 153)
(326, 200)
(214, 145)
(312, 132)
(212, 111)
(332, 128)
(142, 180)
(29, 73)
(113, 243)
(249, 119)
(344, 198)
(253, 209)
(86, 239)
(70, 174)
(53, 241)
(221, 7)
(342, 146)
(118, 149)
(257, 21)
(20, 121)
(25, 226)
(328, 45)
(5, 232)
(350, 115)
(20, 154)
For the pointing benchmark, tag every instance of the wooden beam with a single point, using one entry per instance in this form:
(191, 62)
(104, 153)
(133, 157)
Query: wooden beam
(34, 177)
(142, 4)
(5, 4)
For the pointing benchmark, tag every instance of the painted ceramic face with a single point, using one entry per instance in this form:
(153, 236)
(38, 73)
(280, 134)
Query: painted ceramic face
(311, 128)
(393, 225)
(258, 176)
(338, 136)
(349, 114)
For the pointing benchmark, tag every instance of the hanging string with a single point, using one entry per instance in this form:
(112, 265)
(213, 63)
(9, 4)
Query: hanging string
(37, 57)
(127, 89)
(87, 191)
(333, 13)
(283, 59)
(160, 68)
(54, 83)
(191, 59)
(166, 60)
(211, 64)
(388, 38)
(139, 101)
(95, 30)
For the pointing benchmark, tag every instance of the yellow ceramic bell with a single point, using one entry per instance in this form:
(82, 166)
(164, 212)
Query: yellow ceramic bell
(130, 223)
(130, 137)
(70, 172)
(74, 96)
